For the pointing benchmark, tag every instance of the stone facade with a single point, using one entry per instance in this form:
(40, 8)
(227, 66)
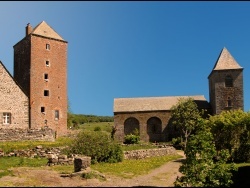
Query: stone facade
(14, 104)
(145, 128)
(220, 95)
(40, 67)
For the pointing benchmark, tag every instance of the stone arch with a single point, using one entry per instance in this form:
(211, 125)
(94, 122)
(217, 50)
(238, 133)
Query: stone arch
(130, 125)
(154, 129)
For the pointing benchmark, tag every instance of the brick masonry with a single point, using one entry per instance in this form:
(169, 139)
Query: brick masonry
(30, 56)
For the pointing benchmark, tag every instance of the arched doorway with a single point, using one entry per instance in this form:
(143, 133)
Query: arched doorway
(154, 129)
(130, 126)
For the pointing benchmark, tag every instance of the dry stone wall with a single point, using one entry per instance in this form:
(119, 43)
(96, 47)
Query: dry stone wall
(141, 154)
(19, 134)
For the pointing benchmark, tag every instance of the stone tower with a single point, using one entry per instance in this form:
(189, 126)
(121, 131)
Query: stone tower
(226, 84)
(40, 68)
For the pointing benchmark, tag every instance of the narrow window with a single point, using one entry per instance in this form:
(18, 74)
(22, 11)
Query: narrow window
(47, 63)
(46, 92)
(229, 102)
(228, 81)
(47, 47)
(6, 118)
(43, 109)
(56, 114)
(46, 77)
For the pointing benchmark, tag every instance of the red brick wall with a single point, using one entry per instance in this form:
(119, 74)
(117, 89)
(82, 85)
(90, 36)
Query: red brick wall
(34, 68)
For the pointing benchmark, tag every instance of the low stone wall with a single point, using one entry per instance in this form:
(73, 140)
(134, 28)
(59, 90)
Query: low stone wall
(18, 134)
(55, 157)
(145, 153)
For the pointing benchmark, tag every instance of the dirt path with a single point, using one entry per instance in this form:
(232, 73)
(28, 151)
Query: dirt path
(163, 176)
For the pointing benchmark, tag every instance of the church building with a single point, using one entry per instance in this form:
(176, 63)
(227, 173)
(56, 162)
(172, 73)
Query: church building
(36, 96)
(152, 115)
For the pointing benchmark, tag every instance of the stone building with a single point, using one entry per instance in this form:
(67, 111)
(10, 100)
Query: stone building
(14, 104)
(40, 72)
(152, 115)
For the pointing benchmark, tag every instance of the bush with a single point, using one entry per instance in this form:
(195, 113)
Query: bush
(97, 128)
(98, 145)
(132, 139)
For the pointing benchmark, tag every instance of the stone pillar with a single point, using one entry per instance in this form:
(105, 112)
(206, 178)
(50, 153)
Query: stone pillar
(81, 163)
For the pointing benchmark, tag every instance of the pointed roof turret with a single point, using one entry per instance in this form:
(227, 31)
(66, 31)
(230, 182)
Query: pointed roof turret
(43, 29)
(226, 61)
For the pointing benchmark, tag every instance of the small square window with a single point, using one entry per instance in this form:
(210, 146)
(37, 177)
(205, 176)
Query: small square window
(46, 76)
(47, 63)
(6, 118)
(47, 47)
(43, 109)
(46, 92)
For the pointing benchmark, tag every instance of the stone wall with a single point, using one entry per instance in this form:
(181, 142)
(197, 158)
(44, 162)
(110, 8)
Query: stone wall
(219, 94)
(145, 153)
(12, 101)
(19, 134)
(165, 134)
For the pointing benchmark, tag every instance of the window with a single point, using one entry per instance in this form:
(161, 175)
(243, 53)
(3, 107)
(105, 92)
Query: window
(56, 114)
(43, 109)
(46, 92)
(229, 102)
(6, 118)
(228, 81)
(46, 77)
(47, 63)
(47, 47)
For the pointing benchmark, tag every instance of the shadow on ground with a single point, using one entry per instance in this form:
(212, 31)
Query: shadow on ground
(241, 178)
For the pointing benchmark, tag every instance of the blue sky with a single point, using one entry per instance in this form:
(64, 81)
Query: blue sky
(135, 49)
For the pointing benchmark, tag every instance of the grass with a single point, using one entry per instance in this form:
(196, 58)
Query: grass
(9, 146)
(8, 162)
(105, 126)
(142, 145)
(132, 167)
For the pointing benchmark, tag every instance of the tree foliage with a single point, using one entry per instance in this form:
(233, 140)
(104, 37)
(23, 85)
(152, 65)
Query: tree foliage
(230, 130)
(185, 115)
(200, 169)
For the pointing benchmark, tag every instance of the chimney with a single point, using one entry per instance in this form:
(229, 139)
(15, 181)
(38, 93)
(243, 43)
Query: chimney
(28, 29)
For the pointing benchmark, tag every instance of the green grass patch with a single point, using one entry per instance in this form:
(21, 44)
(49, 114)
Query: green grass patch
(132, 168)
(104, 126)
(9, 146)
(8, 162)
(141, 145)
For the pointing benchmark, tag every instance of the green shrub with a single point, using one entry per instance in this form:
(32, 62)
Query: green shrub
(98, 145)
(97, 128)
(132, 139)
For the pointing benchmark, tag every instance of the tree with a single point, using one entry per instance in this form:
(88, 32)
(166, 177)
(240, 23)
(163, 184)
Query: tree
(228, 128)
(185, 115)
(200, 169)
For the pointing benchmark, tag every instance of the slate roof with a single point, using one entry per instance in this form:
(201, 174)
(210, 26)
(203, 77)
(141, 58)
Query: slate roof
(141, 104)
(43, 29)
(226, 61)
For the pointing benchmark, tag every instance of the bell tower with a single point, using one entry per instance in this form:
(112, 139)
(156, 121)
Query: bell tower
(226, 84)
